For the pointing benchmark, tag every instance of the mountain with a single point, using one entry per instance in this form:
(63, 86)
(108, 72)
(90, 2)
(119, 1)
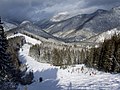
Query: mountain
(28, 28)
(84, 26)
(7, 26)
(104, 35)
(74, 29)
(60, 16)
(44, 24)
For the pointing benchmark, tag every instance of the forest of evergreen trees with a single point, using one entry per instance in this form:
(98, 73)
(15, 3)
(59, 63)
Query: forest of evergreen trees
(14, 45)
(106, 57)
(56, 56)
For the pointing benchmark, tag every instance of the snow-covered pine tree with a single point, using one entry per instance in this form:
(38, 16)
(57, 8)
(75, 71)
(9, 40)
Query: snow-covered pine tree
(7, 69)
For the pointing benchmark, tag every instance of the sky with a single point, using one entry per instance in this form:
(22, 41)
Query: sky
(36, 10)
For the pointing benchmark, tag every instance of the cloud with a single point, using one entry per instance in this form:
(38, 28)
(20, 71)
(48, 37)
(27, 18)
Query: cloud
(20, 10)
(102, 2)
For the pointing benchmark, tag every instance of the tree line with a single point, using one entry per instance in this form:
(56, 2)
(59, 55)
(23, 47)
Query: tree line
(56, 56)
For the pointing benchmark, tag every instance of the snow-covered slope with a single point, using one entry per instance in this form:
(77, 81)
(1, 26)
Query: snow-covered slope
(76, 77)
(105, 35)
(7, 26)
(27, 26)
(60, 16)
(27, 38)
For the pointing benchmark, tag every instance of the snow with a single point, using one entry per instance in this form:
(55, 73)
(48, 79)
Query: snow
(60, 16)
(107, 35)
(48, 72)
(24, 22)
(28, 39)
(76, 77)
(8, 26)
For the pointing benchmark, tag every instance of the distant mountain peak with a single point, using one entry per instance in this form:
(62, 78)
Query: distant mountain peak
(8, 26)
(26, 22)
(60, 16)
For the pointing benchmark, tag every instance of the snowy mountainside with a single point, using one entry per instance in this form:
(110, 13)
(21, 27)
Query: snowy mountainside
(105, 35)
(94, 23)
(67, 29)
(60, 16)
(27, 26)
(71, 78)
(73, 29)
(90, 38)
(7, 26)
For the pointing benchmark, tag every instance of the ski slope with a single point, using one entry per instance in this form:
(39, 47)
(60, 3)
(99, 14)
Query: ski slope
(76, 77)
(28, 39)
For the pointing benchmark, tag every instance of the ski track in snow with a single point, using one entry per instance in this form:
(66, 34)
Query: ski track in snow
(71, 78)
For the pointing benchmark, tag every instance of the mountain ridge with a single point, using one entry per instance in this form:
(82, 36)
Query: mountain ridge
(77, 28)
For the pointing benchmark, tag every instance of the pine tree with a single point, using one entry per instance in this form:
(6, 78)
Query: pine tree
(82, 56)
(8, 72)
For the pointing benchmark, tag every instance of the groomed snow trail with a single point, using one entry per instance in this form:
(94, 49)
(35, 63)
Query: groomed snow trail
(76, 77)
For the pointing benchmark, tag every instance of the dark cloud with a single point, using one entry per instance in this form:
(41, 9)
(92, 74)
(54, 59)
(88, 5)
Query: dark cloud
(38, 9)
(107, 4)
(102, 2)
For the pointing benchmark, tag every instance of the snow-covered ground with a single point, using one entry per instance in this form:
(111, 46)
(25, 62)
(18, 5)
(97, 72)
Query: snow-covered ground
(7, 26)
(107, 35)
(76, 77)
(28, 39)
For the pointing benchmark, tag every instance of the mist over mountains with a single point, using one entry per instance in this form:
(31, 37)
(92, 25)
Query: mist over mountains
(36, 10)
